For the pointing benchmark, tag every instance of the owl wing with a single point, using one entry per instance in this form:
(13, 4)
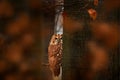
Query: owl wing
(55, 57)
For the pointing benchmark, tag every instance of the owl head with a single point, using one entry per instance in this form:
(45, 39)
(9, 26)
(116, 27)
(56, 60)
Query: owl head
(56, 39)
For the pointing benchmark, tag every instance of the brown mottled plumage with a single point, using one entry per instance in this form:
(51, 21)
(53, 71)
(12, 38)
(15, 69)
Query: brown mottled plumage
(55, 54)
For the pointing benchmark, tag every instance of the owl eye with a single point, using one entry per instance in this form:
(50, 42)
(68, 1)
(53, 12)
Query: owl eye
(61, 38)
(55, 38)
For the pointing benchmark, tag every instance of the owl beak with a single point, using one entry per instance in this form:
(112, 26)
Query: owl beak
(59, 41)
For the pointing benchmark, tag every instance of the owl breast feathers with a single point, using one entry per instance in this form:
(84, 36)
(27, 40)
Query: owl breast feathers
(55, 54)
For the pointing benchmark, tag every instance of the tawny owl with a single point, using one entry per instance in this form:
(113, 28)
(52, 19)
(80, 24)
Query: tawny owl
(55, 54)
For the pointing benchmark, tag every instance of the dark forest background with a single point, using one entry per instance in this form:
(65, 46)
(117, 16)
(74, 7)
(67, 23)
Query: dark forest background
(91, 44)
